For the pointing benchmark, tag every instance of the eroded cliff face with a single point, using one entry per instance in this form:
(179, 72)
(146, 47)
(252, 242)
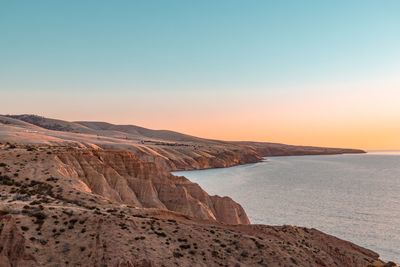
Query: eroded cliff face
(12, 243)
(207, 157)
(63, 206)
(123, 177)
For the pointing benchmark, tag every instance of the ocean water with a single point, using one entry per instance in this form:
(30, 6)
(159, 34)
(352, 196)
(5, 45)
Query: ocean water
(354, 197)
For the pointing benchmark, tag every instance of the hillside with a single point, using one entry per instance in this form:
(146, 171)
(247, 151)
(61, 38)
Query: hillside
(97, 194)
(180, 151)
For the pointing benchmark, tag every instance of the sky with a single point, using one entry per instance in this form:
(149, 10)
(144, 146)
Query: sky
(323, 73)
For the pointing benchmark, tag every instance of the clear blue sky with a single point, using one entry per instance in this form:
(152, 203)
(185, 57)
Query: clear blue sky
(178, 49)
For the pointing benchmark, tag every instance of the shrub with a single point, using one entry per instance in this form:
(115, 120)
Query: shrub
(244, 254)
(162, 234)
(177, 254)
(185, 246)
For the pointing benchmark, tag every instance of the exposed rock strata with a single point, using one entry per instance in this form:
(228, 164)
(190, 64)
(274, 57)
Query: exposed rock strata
(68, 207)
(122, 177)
(179, 151)
(82, 194)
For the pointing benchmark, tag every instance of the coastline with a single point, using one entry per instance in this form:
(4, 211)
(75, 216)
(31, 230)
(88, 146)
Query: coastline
(113, 182)
(265, 159)
(229, 183)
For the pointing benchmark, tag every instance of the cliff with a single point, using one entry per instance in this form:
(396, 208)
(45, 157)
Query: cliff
(83, 194)
(77, 206)
(122, 177)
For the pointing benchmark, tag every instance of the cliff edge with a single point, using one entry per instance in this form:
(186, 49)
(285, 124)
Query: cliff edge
(97, 194)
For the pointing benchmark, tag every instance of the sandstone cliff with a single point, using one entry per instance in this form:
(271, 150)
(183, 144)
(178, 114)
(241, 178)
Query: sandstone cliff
(178, 151)
(95, 194)
(122, 177)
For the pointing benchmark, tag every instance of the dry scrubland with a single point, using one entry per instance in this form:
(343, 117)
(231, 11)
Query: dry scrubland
(97, 194)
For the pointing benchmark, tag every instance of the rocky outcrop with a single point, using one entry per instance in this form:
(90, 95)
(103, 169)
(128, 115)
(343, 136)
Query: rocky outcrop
(70, 207)
(228, 211)
(122, 177)
(12, 243)
(206, 158)
(90, 194)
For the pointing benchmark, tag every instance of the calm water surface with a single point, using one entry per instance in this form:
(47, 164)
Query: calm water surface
(355, 197)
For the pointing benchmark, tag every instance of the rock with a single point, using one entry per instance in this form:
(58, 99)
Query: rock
(12, 244)
(94, 198)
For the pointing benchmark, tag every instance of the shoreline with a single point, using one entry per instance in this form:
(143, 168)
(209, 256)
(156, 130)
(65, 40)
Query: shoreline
(265, 159)
(222, 187)
(94, 176)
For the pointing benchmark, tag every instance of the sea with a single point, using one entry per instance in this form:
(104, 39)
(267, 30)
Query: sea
(355, 197)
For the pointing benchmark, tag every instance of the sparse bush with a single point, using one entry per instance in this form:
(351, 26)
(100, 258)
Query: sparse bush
(177, 254)
(6, 180)
(244, 254)
(21, 197)
(162, 234)
(185, 246)
(52, 179)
